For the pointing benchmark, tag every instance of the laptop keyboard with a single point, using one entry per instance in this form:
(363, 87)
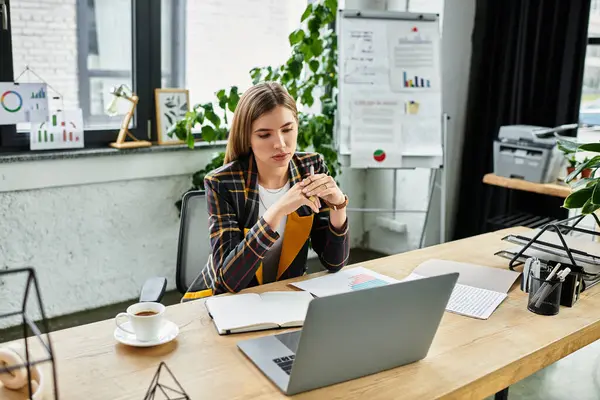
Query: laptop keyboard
(285, 363)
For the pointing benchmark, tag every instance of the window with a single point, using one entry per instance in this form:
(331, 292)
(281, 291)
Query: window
(81, 49)
(224, 40)
(589, 111)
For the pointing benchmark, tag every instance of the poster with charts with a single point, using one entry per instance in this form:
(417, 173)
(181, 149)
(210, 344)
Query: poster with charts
(23, 102)
(394, 61)
(62, 129)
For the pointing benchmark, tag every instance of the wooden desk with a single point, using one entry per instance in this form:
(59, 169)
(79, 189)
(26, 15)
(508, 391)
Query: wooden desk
(551, 189)
(469, 358)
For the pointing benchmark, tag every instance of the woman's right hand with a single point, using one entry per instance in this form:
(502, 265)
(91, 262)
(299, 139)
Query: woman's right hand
(287, 204)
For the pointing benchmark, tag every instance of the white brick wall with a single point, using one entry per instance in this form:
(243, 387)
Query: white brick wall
(44, 34)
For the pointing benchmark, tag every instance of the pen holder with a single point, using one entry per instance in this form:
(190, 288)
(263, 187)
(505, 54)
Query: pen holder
(544, 297)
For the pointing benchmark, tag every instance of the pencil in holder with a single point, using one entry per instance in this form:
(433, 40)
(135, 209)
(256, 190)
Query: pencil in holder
(544, 296)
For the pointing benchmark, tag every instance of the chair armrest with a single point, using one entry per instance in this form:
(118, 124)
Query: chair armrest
(153, 289)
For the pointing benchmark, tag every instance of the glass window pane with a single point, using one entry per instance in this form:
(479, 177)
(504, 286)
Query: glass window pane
(589, 111)
(80, 48)
(594, 24)
(224, 40)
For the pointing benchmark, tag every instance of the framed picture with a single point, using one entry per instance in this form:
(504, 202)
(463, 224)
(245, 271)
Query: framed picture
(171, 106)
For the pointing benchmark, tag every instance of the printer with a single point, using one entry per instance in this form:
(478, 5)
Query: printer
(529, 152)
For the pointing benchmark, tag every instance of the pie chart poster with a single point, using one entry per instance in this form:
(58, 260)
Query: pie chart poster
(23, 102)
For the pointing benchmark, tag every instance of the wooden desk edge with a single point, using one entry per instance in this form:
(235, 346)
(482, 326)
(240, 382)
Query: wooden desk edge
(550, 189)
(513, 373)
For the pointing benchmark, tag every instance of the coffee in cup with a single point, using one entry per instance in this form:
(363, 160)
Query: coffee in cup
(145, 320)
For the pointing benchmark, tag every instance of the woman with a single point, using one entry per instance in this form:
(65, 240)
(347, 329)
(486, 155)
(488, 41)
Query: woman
(267, 202)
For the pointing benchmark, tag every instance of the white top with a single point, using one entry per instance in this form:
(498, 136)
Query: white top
(268, 197)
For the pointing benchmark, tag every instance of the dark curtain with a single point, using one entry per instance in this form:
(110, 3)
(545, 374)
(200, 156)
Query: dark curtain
(526, 68)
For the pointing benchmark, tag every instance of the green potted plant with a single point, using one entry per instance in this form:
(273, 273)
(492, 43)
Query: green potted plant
(312, 64)
(586, 191)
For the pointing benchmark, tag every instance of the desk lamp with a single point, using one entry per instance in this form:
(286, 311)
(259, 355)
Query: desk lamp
(124, 92)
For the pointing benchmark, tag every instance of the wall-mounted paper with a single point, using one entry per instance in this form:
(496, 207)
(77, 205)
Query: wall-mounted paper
(23, 102)
(63, 129)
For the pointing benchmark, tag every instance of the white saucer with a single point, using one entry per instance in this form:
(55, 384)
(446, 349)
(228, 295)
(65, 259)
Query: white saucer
(168, 332)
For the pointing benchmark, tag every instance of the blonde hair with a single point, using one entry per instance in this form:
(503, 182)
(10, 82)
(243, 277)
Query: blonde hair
(256, 101)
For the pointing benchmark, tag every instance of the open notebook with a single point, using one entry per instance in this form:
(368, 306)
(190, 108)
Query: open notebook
(253, 312)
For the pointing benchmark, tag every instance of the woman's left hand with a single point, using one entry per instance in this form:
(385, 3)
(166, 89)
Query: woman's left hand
(324, 187)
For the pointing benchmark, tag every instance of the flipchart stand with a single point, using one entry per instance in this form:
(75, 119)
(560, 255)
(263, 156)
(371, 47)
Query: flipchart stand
(360, 57)
(437, 180)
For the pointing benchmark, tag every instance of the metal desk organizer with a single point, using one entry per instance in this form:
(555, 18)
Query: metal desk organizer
(579, 279)
(30, 328)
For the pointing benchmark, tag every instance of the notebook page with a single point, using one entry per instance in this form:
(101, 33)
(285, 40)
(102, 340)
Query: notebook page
(235, 311)
(285, 307)
(474, 302)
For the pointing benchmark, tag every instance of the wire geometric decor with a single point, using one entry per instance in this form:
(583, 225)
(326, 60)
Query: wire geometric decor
(168, 392)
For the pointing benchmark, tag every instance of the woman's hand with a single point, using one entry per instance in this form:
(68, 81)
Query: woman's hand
(323, 186)
(287, 204)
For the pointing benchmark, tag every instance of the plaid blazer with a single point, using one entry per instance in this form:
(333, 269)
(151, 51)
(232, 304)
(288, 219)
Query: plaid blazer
(239, 239)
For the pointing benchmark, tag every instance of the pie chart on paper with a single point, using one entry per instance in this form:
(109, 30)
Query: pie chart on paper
(379, 155)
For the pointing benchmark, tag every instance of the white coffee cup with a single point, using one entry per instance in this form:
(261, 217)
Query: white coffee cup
(145, 319)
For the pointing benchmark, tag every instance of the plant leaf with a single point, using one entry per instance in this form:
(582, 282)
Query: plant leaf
(190, 140)
(234, 98)
(589, 207)
(317, 47)
(212, 117)
(314, 65)
(208, 133)
(579, 198)
(585, 182)
(567, 146)
(595, 147)
(332, 5)
(593, 162)
(296, 36)
(596, 194)
(306, 12)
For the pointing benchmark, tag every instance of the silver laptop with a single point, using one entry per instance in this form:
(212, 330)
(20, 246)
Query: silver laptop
(350, 335)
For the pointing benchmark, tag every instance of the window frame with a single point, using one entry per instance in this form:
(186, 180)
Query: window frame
(146, 75)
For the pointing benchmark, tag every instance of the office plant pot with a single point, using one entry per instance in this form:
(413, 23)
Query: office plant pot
(586, 173)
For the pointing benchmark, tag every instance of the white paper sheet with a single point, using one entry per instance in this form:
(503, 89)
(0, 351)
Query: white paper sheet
(468, 300)
(364, 55)
(23, 102)
(376, 133)
(63, 129)
(496, 279)
(478, 291)
(474, 302)
(344, 281)
(413, 57)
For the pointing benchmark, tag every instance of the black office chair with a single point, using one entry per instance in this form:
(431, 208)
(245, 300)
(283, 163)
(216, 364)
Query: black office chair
(193, 248)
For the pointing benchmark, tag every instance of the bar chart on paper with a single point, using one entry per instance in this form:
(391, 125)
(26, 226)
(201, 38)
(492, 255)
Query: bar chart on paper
(62, 129)
(415, 81)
